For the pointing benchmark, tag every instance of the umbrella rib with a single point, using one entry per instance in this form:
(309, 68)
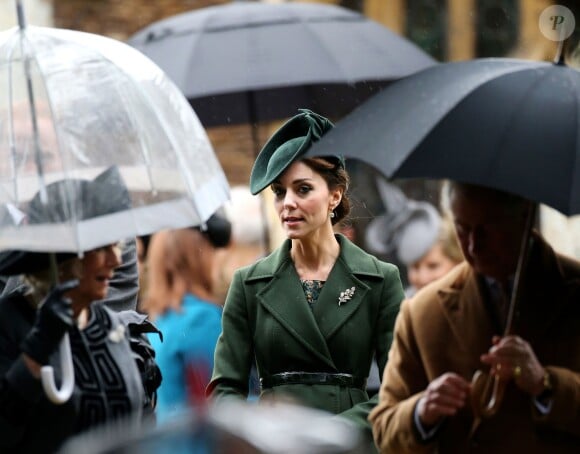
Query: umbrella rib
(173, 141)
(517, 107)
(190, 56)
(574, 190)
(456, 102)
(12, 141)
(27, 58)
(203, 28)
(65, 168)
(262, 24)
(320, 43)
(188, 177)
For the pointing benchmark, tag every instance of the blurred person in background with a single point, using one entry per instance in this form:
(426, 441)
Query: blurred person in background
(247, 244)
(441, 258)
(312, 313)
(346, 228)
(142, 247)
(423, 241)
(414, 231)
(124, 286)
(182, 302)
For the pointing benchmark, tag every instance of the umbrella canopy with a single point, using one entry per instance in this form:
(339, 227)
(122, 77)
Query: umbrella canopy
(230, 427)
(247, 62)
(77, 109)
(509, 124)
(73, 104)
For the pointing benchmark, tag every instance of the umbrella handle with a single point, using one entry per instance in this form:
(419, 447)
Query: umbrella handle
(487, 393)
(55, 395)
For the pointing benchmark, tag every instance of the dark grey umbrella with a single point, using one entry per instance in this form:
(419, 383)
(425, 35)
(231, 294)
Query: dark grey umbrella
(509, 124)
(248, 62)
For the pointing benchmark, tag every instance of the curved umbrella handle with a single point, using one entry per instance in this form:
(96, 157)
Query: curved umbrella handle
(55, 395)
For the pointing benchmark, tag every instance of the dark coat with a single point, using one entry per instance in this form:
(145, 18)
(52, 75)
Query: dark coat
(267, 318)
(447, 326)
(28, 421)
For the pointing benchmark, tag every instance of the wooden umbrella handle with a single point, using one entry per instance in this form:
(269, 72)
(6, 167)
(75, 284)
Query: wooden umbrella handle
(487, 390)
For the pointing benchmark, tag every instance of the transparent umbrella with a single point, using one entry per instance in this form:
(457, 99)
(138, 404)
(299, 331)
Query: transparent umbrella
(73, 104)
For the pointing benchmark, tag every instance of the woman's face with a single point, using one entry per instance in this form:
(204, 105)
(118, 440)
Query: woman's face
(433, 265)
(97, 268)
(303, 201)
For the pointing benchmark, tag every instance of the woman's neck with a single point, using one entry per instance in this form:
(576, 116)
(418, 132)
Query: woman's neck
(314, 258)
(82, 317)
(201, 291)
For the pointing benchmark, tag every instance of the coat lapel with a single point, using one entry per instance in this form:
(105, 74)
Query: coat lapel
(465, 308)
(328, 313)
(284, 298)
(351, 262)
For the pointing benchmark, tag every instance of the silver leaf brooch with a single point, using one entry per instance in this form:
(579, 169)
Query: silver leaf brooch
(346, 295)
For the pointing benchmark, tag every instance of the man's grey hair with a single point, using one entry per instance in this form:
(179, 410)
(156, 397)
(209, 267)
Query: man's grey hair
(510, 202)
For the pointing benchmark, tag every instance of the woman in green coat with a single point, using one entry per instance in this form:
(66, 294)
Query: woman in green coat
(314, 312)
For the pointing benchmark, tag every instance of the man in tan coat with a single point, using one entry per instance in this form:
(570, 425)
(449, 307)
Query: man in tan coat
(452, 328)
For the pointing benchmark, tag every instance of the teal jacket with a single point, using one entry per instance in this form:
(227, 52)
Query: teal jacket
(266, 318)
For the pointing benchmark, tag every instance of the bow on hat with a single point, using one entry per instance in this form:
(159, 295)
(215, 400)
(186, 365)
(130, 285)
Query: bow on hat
(287, 144)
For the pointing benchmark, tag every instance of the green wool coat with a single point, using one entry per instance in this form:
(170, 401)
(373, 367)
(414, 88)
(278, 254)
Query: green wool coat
(267, 318)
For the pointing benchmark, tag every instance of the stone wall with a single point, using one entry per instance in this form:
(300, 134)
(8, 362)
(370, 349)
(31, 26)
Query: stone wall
(36, 12)
(119, 18)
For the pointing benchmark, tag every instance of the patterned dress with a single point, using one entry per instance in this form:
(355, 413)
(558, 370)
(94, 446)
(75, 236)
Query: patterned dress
(110, 378)
(312, 289)
(106, 391)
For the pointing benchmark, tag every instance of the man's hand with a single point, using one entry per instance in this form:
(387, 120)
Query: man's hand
(54, 318)
(511, 357)
(443, 397)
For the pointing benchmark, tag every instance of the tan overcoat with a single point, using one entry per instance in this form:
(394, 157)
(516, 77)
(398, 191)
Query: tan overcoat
(447, 326)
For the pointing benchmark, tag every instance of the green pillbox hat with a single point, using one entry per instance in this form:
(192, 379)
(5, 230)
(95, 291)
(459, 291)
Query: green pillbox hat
(287, 144)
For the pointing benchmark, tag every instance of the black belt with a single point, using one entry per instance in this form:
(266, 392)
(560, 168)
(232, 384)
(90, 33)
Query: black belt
(313, 378)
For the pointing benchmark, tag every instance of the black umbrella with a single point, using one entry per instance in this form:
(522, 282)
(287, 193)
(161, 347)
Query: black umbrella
(248, 62)
(509, 124)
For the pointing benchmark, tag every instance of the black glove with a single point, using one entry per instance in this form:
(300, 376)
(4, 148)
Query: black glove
(53, 319)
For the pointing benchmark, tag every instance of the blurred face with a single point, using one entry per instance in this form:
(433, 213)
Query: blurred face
(489, 233)
(303, 201)
(433, 265)
(97, 268)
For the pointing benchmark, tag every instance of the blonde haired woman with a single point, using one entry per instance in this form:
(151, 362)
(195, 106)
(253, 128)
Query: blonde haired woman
(114, 370)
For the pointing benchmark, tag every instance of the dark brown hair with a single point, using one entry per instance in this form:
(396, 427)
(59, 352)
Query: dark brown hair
(335, 175)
